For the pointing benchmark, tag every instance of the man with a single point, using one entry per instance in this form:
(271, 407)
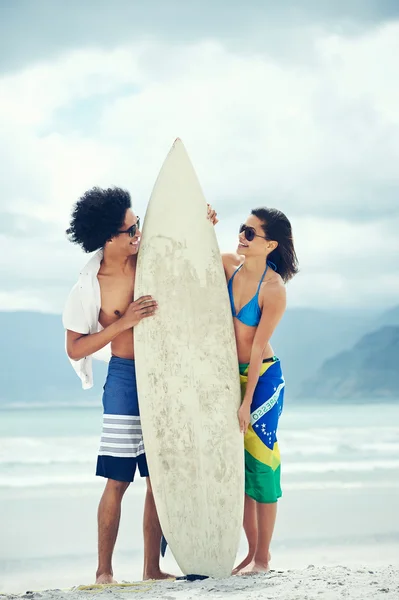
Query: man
(100, 316)
(99, 312)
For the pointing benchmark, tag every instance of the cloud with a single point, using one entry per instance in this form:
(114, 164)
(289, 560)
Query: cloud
(35, 30)
(318, 140)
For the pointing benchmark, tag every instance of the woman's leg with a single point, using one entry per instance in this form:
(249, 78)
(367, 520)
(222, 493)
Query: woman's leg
(251, 531)
(266, 514)
(266, 519)
(262, 468)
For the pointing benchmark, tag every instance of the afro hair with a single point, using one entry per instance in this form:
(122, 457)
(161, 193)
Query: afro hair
(97, 216)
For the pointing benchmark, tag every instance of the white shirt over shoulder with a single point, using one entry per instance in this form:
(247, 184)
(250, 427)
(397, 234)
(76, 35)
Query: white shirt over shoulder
(81, 313)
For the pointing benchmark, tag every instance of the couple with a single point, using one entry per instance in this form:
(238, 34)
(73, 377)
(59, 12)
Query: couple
(99, 314)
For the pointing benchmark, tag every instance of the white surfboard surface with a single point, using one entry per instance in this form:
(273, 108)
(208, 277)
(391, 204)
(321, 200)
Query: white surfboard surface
(187, 376)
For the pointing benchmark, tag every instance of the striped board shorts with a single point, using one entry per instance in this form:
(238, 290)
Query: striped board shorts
(121, 447)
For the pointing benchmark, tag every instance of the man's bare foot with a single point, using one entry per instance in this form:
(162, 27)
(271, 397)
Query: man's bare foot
(247, 561)
(105, 578)
(157, 575)
(254, 568)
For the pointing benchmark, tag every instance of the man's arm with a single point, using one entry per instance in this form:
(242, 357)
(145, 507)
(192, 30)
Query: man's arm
(79, 345)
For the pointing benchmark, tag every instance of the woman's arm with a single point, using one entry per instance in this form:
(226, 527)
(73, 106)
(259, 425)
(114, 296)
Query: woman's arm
(212, 215)
(230, 262)
(273, 309)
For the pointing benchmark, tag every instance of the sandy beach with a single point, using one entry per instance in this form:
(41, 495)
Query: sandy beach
(338, 511)
(329, 583)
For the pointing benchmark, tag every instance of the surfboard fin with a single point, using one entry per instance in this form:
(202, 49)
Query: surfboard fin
(192, 577)
(164, 545)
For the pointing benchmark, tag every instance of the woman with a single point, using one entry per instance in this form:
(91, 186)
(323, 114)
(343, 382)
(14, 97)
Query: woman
(256, 274)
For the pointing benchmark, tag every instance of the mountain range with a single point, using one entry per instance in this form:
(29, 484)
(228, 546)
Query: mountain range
(367, 371)
(325, 354)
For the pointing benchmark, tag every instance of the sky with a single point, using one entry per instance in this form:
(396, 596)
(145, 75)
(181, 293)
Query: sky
(293, 105)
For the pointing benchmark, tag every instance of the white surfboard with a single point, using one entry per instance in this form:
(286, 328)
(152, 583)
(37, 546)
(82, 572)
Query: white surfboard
(187, 376)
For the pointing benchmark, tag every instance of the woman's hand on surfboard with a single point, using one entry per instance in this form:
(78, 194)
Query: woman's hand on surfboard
(212, 215)
(141, 308)
(244, 417)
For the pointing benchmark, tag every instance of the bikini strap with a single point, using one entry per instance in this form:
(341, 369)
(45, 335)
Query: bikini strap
(272, 265)
(263, 276)
(235, 273)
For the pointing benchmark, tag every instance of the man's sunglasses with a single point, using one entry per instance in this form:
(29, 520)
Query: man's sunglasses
(132, 230)
(249, 233)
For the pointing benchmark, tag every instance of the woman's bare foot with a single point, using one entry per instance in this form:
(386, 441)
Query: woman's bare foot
(247, 561)
(105, 578)
(255, 568)
(158, 575)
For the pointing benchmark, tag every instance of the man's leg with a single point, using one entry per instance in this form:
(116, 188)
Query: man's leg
(109, 514)
(251, 532)
(152, 538)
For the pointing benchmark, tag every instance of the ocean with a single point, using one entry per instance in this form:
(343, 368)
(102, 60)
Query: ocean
(340, 469)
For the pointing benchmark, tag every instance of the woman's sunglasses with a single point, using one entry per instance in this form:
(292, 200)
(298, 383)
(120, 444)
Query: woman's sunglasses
(249, 233)
(132, 230)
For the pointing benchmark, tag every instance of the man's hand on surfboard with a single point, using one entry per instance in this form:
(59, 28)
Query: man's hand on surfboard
(244, 416)
(142, 308)
(212, 215)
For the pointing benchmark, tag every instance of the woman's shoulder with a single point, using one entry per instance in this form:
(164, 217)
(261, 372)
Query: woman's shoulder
(274, 290)
(231, 262)
(232, 259)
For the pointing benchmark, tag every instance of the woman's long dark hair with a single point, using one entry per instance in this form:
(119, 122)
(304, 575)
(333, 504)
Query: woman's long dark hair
(277, 228)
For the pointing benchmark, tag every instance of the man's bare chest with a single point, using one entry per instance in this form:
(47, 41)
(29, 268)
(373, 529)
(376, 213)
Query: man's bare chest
(116, 295)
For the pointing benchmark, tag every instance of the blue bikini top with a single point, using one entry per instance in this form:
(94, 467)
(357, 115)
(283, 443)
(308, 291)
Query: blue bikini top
(251, 313)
